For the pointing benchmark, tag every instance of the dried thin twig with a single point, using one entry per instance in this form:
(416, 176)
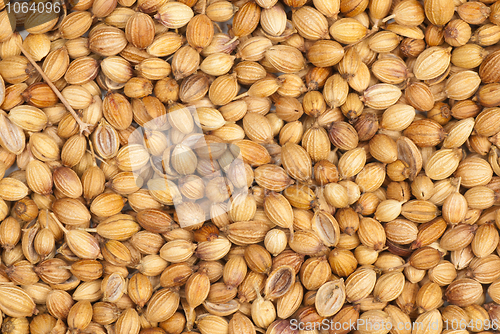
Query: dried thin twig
(84, 127)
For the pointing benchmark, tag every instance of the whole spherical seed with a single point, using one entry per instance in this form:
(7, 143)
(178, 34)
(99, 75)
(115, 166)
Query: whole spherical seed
(107, 40)
(139, 30)
(310, 23)
(246, 19)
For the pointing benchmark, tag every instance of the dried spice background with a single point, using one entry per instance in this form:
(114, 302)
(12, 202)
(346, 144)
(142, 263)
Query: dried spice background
(241, 167)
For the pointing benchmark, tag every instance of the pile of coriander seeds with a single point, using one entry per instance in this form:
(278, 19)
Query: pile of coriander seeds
(244, 167)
